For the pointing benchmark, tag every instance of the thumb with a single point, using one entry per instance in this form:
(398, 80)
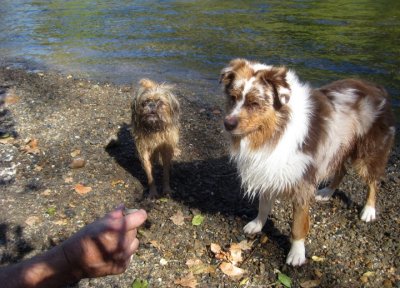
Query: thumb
(134, 220)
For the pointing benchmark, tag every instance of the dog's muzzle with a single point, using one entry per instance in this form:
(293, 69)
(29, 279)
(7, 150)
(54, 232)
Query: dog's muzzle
(231, 122)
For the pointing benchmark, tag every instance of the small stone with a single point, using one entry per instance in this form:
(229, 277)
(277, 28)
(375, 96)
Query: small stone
(77, 163)
(387, 283)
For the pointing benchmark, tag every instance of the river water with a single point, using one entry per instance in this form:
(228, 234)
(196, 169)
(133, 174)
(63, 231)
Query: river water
(190, 41)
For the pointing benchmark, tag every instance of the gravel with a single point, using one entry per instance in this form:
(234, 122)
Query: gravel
(76, 118)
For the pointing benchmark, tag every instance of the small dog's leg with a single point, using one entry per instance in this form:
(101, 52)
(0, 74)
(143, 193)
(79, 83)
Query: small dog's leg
(300, 227)
(368, 213)
(326, 193)
(148, 168)
(167, 155)
(264, 209)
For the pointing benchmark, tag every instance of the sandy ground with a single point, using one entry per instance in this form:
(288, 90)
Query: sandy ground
(65, 118)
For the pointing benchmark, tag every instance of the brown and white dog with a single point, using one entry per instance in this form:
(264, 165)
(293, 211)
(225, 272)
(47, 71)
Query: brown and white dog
(155, 123)
(287, 137)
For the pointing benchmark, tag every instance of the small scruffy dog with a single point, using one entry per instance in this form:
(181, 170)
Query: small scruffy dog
(155, 123)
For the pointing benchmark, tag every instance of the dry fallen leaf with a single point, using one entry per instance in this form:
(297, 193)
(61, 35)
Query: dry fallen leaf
(38, 168)
(61, 222)
(178, 218)
(80, 189)
(193, 262)
(246, 245)
(310, 283)
(219, 253)
(11, 97)
(187, 281)
(156, 245)
(317, 258)
(117, 182)
(46, 192)
(232, 271)
(196, 266)
(215, 248)
(235, 253)
(75, 153)
(31, 147)
(32, 220)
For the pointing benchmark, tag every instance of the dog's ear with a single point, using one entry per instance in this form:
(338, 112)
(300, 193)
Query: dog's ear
(276, 77)
(147, 83)
(227, 76)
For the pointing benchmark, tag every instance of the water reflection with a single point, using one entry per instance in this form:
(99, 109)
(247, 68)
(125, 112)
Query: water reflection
(122, 40)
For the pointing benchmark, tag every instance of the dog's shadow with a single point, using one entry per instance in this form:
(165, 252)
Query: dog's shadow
(211, 185)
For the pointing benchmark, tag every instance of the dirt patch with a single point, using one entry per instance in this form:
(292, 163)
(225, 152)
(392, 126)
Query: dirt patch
(48, 119)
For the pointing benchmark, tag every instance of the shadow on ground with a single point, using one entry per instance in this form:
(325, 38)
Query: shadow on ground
(211, 185)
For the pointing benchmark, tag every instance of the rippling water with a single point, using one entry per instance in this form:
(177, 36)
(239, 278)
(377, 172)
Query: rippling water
(190, 41)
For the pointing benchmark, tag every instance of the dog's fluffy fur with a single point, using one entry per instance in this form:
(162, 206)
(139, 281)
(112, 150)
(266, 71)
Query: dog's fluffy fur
(286, 138)
(155, 129)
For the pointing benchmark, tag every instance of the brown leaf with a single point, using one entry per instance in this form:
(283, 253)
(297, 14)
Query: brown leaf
(215, 248)
(11, 97)
(196, 266)
(187, 281)
(235, 253)
(80, 189)
(232, 271)
(310, 283)
(46, 192)
(32, 220)
(178, 218)
(77, 163)
(157, 245)
(117, 182)
(61, 222)
(192, 262)
(246, 245)
(31, 147)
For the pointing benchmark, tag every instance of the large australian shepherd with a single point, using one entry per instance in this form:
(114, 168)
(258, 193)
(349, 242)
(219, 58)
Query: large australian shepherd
(287, 137)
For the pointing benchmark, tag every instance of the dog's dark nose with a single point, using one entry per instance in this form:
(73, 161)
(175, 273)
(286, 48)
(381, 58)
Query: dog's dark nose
(231, 122)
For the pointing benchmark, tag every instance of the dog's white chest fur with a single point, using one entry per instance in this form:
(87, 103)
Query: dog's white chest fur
(272, 170)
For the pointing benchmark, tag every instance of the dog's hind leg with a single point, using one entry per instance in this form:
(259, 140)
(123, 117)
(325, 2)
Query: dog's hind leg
(369, 160)
(265, 205)
(368, 212)
(300, 228)
(326, 193)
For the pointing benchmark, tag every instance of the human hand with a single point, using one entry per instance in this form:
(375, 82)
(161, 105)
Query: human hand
(105, 246)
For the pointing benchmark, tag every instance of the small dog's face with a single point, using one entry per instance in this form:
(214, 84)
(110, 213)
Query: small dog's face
(154, 106)
(256, 96)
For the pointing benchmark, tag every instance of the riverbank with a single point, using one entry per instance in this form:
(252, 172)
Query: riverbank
(48, 120)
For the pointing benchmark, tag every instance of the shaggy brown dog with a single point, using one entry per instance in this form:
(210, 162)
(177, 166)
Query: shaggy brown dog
(155, 123)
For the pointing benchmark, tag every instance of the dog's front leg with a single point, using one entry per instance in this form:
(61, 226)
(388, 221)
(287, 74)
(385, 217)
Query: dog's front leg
(264, 209)
(300, 227)
(148, 168)
(167, 155)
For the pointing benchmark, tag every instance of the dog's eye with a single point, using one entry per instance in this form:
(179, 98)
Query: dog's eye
(232, 99)
(253, 105)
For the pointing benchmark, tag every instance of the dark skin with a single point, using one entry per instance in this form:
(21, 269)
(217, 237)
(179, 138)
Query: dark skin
(101, 248)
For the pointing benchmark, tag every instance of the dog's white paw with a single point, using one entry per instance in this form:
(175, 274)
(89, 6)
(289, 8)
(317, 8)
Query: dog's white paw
(297, 253)
(324, 194)
(368, 214)
(253, 227)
